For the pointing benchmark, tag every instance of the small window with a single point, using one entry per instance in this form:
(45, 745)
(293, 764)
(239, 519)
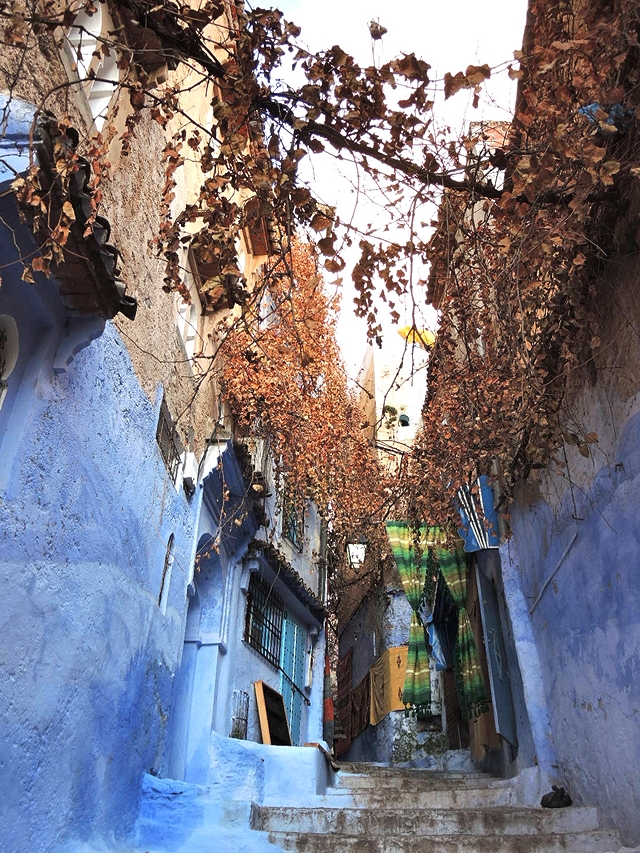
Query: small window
(9, 349)
(263, 620)
(257, 231)
(189, 317)
(168, 441)
(293, 520)
(188, 325)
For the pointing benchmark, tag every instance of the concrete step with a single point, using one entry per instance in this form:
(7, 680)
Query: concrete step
(403, 769)
(452, 759)
(425, 822)
(418, 780)
(453, 797)
(586, 842)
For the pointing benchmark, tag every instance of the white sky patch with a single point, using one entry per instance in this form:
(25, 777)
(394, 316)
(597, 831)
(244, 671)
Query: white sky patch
(449, 36)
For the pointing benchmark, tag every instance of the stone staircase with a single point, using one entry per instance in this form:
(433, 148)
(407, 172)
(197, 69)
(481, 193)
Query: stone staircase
(376, 809)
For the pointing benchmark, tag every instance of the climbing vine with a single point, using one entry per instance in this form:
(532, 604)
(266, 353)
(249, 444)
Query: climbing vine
(513, 260)
(283, 375)
(515, 278)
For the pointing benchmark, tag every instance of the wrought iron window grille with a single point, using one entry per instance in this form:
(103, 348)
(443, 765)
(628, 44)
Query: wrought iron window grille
(168, 441)
(292, 520)
(263, 620)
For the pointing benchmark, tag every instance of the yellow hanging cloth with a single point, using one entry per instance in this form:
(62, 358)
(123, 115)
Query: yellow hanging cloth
(423, 337)
(387, 681)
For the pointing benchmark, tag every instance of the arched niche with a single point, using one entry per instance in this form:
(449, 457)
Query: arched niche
(196, 683)
(204, 616)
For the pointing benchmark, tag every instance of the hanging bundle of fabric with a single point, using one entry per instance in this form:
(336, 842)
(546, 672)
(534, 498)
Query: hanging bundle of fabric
(412, 565)
(473, 693)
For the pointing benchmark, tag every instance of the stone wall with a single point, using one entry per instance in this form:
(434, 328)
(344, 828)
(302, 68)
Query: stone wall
(88, 656)
(577, 545)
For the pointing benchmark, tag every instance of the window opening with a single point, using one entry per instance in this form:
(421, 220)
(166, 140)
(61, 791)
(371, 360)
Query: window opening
(168, 442)
(188, 318)
(9, 349)
(257, 230)
(292, 520)
(263, 620)
(189, 314)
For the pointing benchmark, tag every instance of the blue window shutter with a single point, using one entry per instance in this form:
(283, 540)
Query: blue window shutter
(292, 661)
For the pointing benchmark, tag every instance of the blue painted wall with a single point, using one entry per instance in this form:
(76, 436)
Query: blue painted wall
(587, 628)
(87, 658)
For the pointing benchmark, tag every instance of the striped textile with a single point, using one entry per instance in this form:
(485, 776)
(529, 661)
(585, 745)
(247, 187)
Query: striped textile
(453, 565)
(417, 684)
(471, 686)
(474, 693)
(413, 573)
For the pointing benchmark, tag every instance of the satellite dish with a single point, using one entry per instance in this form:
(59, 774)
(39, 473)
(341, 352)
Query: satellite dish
(9, 345)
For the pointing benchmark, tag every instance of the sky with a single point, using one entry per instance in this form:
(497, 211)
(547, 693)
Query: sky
(449, 36)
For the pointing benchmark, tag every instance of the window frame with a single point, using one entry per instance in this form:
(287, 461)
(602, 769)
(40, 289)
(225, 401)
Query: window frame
(264, 620)
(189, 318)
(293, 514)
(168, 442)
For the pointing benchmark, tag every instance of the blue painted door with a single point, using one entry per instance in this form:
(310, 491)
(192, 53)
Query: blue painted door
(292, 660)
(503, 713)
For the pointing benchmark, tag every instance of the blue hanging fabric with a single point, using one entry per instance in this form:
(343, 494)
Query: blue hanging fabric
(433, 636)
(478, 516)
(435, 645)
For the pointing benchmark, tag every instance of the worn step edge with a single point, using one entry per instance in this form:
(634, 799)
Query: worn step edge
(381, 769)
(426, 783)
(375, 798)
(406, 768)
(586, 842)
(382, 822)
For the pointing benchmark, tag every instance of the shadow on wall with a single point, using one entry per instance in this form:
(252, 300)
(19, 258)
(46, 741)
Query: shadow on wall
(128, 727)
(195, 685)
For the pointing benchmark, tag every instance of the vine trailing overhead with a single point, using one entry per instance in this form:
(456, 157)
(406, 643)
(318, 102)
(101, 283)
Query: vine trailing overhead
(516, 245)
(516, 279)
(283, 376)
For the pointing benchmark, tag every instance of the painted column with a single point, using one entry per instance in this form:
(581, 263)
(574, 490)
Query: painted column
(315, 710)
(529, 662)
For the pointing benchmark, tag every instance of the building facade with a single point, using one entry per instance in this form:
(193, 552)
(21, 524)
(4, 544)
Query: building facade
(137, 614)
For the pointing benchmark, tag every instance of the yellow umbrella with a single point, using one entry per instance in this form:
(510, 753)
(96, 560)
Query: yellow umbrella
(422, 337)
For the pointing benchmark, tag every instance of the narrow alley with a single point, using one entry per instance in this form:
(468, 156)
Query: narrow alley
(260, 596)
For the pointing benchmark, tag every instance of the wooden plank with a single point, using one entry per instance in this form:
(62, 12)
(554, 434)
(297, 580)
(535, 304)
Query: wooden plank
(274, 725)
